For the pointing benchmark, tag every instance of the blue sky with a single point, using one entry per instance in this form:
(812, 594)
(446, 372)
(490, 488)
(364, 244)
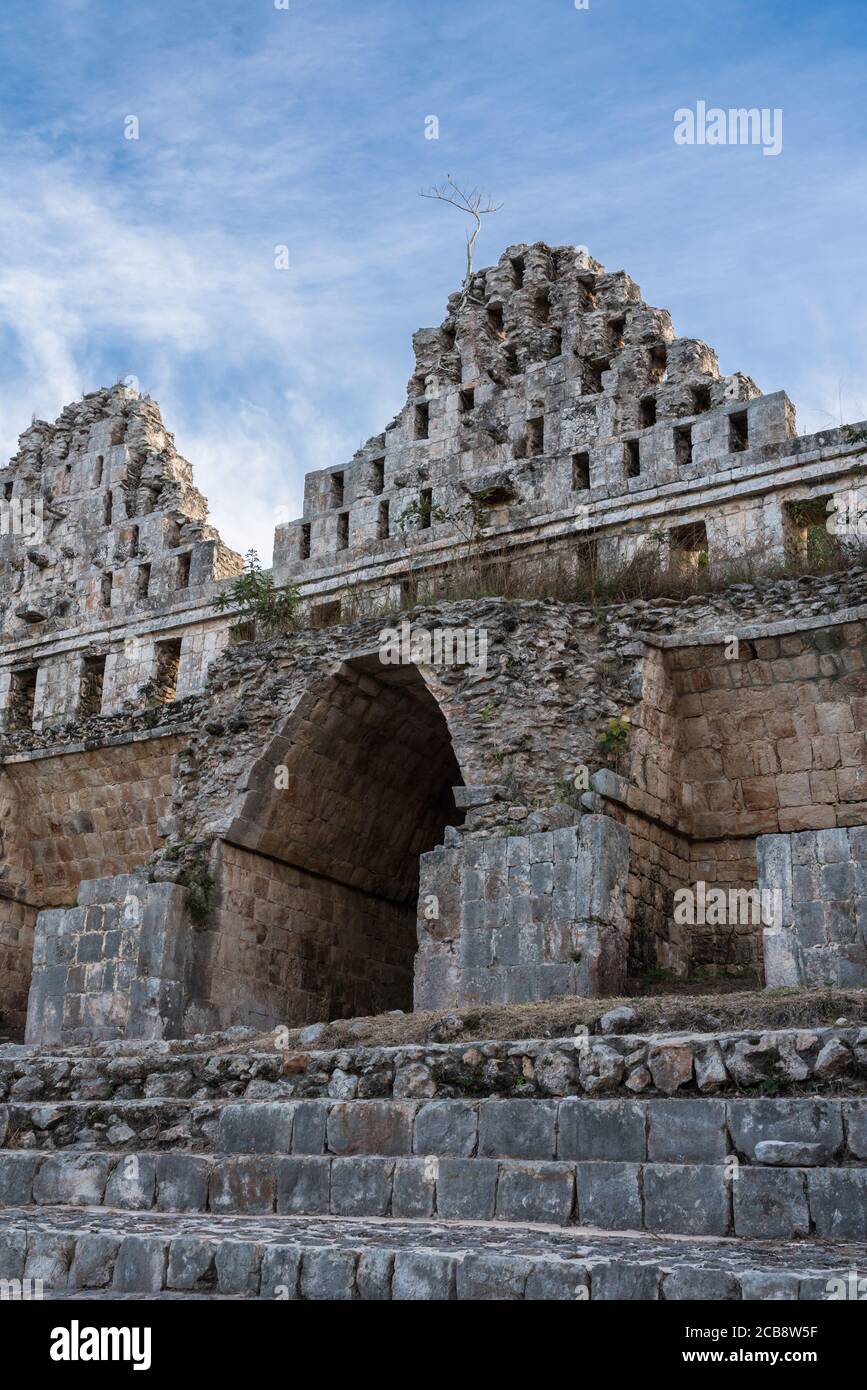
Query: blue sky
(305, 127)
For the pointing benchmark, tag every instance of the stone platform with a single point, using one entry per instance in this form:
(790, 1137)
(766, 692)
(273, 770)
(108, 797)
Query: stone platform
(175, 1170)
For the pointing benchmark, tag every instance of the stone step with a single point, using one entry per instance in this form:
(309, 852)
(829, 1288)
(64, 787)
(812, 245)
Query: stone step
(67, 1124)
(131, 1254)
(675, 1198)
(805, 1131)
(625, 1064)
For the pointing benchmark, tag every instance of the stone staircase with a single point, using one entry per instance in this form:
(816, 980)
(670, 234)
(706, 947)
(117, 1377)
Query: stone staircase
(179, 1170)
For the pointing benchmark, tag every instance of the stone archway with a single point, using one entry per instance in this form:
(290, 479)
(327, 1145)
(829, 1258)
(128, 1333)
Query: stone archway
(317, 874)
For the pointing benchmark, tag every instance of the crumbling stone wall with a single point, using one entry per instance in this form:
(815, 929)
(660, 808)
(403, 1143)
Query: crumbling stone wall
(557, 415)
(553, 400)
(322, 707)
(115, 558)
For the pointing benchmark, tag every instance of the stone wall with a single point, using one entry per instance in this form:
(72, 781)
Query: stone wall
(821, 877)
(775, 739)
(117, 965)
(293, 785)
(524, 917)
(116, 561)
(17, 924)
(68, 817)
(84, 815)
(286, 945)
(551, 401)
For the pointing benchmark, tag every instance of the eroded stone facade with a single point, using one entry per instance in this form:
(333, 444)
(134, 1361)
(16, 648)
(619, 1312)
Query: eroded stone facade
(200, 829)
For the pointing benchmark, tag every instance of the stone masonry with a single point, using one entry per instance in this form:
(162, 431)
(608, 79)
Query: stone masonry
(202, 828)
(229, 860)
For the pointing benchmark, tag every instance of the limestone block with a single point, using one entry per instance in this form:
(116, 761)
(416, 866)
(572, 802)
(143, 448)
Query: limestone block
(686, 1199)
(609, 1195)
(602, 1130)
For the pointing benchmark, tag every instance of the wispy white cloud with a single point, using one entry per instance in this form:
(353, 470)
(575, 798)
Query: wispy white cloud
(156, 256)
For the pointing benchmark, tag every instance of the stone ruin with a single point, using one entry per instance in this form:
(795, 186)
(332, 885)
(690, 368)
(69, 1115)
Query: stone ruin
(206, 829)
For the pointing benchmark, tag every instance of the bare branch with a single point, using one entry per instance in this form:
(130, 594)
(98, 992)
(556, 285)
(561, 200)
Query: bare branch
(474, 204)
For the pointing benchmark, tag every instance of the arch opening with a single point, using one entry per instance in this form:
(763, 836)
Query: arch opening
(319, 873)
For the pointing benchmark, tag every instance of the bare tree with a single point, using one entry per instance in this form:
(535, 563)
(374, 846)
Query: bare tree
(470, 202)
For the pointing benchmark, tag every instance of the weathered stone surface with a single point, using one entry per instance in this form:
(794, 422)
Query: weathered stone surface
(414, 1189)
(68, 1178)
(609, 1196)
(617, 1020)
(361, 1186)
(447, 1128)
(670, 1065)
(93, 1263)
(605, 1129)
(686, 1199)
(424, 1276)
(482, 1278)
(518, 1129)
(622, 1281)
(140, 1265)
(374, 1275)
(467, 1188)
(770, 1206)
(329, 1275)
(370, 1127)
(264, 1128)
(717, 1284)
(543, 1192)
(781, 1154)
(49, 1258)
(132, 1183)
(237, 1263)
(281, 1267)
(304, 1186)
(752, 1122)
(838, 1202)
(191, 1264)
(246, 1184)
(17, 1174)
(695, 1133)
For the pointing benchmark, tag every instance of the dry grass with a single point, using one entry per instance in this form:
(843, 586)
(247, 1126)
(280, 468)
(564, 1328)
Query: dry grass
(700, 1013)
(577, 578)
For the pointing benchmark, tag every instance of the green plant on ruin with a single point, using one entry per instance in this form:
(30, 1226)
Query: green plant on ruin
(853, 435)
(467, 520)
(612, 739)
(201, 893)
(272, 608)
(420, 514)
(148, 692)
(769, 1087)
(566, 793)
